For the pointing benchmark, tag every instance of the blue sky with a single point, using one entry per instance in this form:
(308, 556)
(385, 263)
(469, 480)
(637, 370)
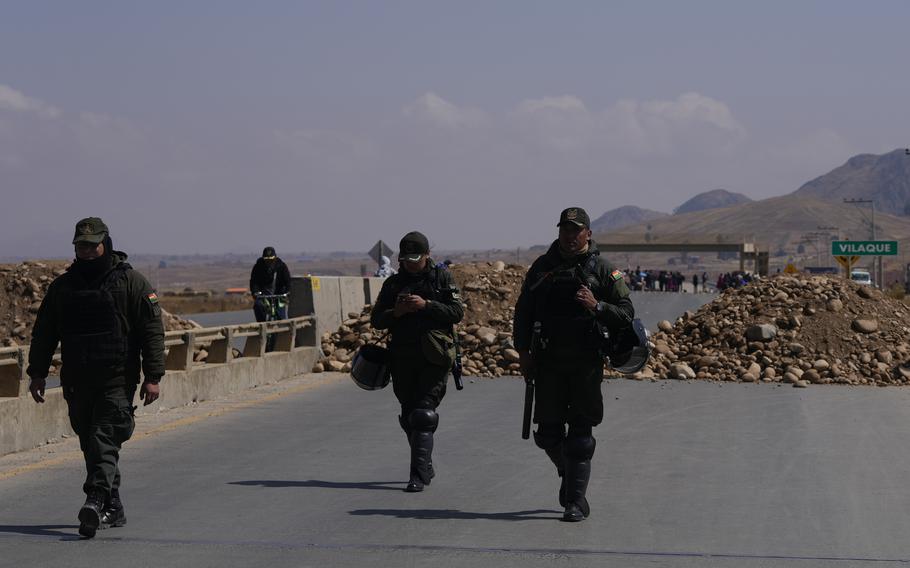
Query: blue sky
(223, 126)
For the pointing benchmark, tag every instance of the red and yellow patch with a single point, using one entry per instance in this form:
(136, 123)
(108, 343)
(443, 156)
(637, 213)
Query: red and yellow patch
(616, 275)
(153, 298)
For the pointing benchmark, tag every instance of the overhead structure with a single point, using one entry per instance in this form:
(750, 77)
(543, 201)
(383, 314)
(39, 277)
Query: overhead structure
(747, 251)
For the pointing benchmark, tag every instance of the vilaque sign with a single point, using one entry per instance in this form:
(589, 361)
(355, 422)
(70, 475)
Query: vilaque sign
(864, 248)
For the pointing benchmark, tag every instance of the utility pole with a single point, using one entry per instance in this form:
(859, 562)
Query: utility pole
(813, 238)
(827, 233)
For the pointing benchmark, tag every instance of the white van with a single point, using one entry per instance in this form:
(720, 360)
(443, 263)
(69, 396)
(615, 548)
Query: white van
(861, 276)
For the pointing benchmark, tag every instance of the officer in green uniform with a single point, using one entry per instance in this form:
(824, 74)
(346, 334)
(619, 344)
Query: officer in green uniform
(419, 306)
(107, 320)
(572, 295)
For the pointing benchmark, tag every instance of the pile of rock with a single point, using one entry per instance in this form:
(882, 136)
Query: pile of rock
(341, 346)
(22, 287)
(489, 292)
(796, 330)
(172, 322)
(818, 330)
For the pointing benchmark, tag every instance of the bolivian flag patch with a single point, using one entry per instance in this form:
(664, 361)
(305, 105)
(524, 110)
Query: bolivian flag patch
(153, 298)
(616, 275)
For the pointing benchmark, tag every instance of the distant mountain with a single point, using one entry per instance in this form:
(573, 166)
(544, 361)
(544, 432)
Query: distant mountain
(624, 216)
(772, 223)
(714, 199)
(883, 178)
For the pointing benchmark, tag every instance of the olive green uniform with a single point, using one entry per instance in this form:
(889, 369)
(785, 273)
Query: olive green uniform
(422, 350)
(109, 331)
(568, 357)
(422, 345)
(571, 364)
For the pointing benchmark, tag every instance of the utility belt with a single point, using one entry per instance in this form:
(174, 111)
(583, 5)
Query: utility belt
(581, 336)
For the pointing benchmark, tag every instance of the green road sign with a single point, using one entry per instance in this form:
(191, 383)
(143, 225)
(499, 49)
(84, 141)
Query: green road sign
(864, 248)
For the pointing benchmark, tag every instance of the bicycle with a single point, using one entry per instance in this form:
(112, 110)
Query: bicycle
(276, 309)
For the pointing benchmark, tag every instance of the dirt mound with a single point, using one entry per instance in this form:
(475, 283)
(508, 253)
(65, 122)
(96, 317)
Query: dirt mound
(23, 286)
(799, 330)
(818, 330)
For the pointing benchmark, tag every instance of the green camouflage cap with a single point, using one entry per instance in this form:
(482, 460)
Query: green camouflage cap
(90, 230)
(575, 215)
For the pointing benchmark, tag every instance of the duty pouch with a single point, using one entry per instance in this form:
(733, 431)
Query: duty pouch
(602, 339)
(438, 347)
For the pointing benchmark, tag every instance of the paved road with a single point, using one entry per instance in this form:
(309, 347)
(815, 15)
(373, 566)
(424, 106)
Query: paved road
(686, 474)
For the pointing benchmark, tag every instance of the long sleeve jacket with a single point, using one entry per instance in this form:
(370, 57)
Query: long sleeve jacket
(138, 311)
(443, 309)
(608, 286)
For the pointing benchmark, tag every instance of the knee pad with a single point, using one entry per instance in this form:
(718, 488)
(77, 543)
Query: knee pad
(549, 436)
(405, 425)
(423, 420)
(579, 445)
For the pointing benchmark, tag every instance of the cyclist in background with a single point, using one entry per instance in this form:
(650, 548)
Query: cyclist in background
(270, 277)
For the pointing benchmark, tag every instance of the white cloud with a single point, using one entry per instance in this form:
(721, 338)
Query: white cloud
(15, 101)
(565, 103)
(691, 108)
(433, 109)
(630, 128)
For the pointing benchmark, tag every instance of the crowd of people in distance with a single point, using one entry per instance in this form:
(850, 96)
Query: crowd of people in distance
(664, 280)
(736, 279)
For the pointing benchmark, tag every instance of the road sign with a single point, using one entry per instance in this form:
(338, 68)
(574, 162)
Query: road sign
(379, 250)
(864, 248)
(846, 261)
(790, 269)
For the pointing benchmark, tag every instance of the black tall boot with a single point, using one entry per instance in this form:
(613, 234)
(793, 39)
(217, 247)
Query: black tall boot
(421, 461)
(555, 455)
(577, 475)
(407, 432)
(113, 514)
(90, 513)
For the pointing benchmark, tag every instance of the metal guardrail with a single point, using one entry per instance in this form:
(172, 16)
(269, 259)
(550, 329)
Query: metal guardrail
(181, 345)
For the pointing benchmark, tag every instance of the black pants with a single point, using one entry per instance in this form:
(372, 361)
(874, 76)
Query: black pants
(568, 388)
(102, 417)
(416, 382)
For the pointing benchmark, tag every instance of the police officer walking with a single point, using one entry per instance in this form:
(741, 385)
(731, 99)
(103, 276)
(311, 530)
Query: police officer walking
(571, 295)
(107, 320)
(419, 306)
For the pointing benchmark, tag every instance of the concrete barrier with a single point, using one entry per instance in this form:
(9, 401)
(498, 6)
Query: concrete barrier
(331, 298)
(25, 424)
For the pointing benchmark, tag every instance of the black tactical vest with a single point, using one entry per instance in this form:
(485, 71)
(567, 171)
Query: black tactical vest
(95, 338)
(565, 322)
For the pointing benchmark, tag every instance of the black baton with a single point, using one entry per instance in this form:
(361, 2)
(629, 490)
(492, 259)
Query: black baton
(529, 384)
(529, 408)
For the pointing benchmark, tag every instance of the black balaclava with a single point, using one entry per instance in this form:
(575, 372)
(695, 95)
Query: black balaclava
(92, 270)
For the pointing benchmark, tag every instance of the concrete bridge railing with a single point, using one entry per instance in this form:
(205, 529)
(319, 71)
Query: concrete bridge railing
(318, 304)
(25, 424)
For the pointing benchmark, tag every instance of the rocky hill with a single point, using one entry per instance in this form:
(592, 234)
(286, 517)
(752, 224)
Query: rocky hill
(714, 199)
(772, 223)
(884, 178)
(623, 217)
